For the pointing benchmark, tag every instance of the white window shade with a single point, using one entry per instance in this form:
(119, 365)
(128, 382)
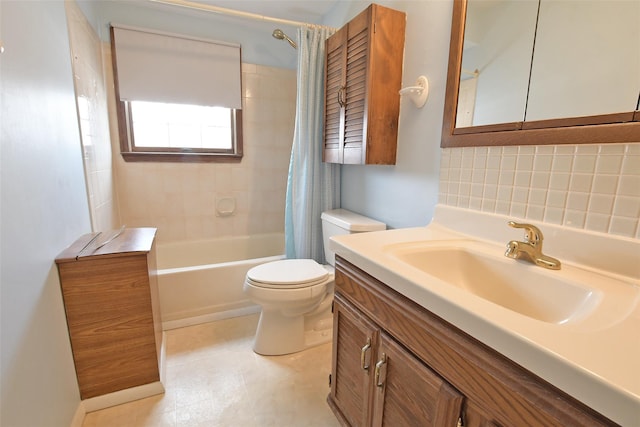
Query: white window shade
(169, 68)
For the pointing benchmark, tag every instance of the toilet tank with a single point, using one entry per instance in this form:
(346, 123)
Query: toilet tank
(337, 222)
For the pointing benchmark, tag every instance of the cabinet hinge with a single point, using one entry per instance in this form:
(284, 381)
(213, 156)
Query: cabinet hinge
(329, 380)
(332, 306)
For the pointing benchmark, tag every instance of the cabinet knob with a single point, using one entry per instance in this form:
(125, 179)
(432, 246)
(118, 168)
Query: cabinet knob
(363, 355)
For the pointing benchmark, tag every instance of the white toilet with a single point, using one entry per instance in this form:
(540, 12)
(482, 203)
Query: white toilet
(296, 294)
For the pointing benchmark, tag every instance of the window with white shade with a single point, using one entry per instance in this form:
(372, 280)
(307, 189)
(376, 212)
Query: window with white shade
(179, 98)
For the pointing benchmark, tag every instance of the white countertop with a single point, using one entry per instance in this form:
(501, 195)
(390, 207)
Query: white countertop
(597, 361)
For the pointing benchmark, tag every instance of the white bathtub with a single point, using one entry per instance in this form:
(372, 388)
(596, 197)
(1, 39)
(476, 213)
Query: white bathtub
(201, 281)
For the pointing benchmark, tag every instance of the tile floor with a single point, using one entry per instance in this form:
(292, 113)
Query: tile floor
(213, 378)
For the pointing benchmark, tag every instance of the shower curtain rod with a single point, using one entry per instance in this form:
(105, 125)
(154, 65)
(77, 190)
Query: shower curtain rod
(224, 11)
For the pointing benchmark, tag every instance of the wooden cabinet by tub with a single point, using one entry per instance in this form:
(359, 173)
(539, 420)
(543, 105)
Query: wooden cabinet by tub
(363, 77)
(112, 307)
(397, 364)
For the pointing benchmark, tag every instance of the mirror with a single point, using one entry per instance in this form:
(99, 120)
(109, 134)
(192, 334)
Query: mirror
(587, 54)
(492, 73)
(496, 61)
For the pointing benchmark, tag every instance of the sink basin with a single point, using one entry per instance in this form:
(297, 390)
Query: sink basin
(532, 291)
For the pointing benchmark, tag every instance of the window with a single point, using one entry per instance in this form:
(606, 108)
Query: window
(180, 132)
(178, 98)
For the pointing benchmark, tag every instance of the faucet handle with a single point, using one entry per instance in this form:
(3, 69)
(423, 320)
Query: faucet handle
(533, 235)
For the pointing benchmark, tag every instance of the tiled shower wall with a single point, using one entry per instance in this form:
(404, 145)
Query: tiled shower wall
(593, 187)
(180, 198)
(91, 98)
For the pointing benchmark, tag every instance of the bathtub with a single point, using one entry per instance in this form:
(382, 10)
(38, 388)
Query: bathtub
(202, 281)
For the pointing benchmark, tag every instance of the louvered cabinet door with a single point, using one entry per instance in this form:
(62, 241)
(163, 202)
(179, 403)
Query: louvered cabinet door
(334, 97)
(363, 77)
(357, 67)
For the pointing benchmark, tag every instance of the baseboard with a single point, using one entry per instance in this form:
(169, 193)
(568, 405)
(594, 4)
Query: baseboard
(78, 417)
(123, 396)
(211, 317)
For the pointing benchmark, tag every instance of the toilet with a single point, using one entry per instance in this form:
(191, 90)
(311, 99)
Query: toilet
(296, 294)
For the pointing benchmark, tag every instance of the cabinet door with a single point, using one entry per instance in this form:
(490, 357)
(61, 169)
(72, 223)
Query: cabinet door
(334, 97)
(357, 69)
(408, 393)
(355, 339)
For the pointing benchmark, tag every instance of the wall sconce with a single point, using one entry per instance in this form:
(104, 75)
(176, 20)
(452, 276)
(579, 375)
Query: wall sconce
(417, 93)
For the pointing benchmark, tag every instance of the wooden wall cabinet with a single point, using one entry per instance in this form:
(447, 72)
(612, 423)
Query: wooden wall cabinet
(363, 76)
(112, 307)
(397, 364)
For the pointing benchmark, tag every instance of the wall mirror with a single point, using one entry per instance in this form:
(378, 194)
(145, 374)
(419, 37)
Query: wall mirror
(525, 72)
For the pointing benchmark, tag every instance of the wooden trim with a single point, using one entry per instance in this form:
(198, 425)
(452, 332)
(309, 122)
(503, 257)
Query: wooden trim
(488, 128)
(601, 129)
(180, 157)
(588, 134)
(580, 121)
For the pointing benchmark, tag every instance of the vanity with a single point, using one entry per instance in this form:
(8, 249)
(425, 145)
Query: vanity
(435, 326)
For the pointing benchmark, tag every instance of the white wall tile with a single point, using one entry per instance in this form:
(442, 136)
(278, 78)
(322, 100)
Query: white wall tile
(575, 219)
(553, 215)
(598, 222)
(606, 184)
(179, 198)
(629, 185)
(559, 181)
(582, 186)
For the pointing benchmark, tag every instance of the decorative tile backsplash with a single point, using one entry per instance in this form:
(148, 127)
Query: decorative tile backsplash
(593, 187)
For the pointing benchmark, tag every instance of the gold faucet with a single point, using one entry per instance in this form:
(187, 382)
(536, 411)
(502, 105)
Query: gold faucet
(531, 249)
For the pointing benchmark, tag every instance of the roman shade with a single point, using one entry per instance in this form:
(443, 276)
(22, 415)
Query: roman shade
(162, 67)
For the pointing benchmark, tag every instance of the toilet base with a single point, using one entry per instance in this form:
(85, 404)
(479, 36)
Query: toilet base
(278, 334)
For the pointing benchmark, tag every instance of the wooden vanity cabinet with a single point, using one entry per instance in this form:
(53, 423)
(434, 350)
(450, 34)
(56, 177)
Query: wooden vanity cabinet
(429, 372)
(112, 306)
(363, 75)
(380, 383)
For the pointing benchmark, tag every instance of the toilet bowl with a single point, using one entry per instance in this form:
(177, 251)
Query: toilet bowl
(296, 297)
(296, 294)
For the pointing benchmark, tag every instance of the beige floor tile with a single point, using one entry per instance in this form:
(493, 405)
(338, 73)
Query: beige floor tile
(213, 378)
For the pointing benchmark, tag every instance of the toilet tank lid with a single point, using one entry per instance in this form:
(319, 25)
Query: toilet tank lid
(352, 221)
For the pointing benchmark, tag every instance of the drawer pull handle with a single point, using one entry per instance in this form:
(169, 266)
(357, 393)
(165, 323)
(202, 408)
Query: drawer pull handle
(363, 355)
(381, 364)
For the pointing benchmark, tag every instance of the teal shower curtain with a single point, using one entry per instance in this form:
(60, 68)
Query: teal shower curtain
(312, 186)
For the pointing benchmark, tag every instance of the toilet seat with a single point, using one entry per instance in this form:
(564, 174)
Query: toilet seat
(288, 274)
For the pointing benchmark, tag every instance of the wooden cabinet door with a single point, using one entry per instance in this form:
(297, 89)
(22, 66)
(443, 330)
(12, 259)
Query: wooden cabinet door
(408, 393)
(357, 69)
(355, 339)
(334, 97)
(363, 77)
(347, 53)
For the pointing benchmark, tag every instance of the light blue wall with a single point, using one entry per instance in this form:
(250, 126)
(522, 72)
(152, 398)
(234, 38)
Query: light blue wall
(405, 195)
(44, 209)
